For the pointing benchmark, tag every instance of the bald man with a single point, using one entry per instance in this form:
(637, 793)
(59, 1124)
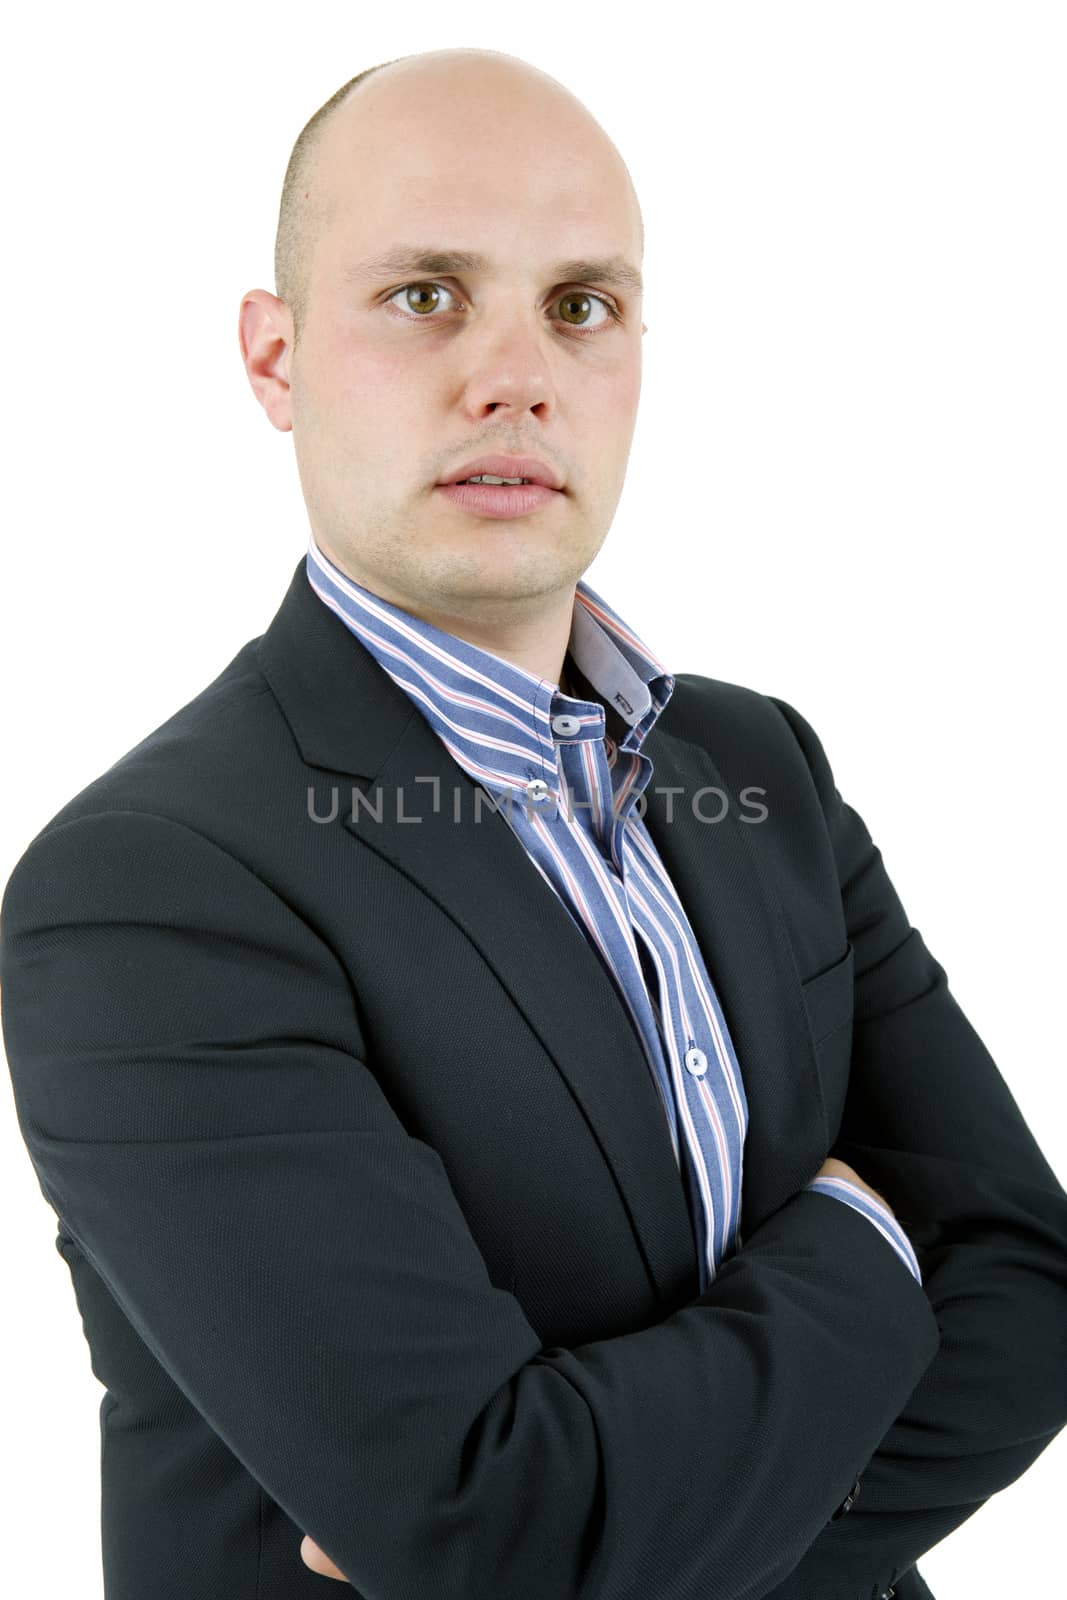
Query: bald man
(399, 1168)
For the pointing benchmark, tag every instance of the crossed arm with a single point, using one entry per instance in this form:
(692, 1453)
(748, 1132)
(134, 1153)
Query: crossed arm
(316, 1558)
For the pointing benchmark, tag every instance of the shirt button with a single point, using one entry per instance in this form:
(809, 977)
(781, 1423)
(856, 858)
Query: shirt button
(566, 726)
(696, 1062)
(538, 790)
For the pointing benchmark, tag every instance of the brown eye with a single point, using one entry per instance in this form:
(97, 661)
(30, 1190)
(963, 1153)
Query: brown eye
(575, 301)
(414, 290)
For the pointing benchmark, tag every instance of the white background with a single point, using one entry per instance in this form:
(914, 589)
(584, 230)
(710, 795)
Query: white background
(846, 486)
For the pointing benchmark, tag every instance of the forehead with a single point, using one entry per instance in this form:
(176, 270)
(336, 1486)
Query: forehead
(455, 182)
(465, 228)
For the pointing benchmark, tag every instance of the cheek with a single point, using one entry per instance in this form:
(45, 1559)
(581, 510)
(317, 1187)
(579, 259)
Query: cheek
(632, 393)
(617, 400)
(380, 387)
(349, 364)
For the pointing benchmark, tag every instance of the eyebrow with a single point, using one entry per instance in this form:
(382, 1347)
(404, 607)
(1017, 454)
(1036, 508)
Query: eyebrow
(614, 270)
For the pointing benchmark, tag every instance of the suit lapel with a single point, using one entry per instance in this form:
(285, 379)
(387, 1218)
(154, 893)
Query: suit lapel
(417, 810)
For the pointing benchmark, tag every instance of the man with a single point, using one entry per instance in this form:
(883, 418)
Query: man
(446, 1186)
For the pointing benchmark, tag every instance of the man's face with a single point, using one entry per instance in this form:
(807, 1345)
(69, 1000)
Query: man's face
(400, 378)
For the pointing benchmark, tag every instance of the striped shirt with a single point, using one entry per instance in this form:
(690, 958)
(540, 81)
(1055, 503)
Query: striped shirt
(566, 772)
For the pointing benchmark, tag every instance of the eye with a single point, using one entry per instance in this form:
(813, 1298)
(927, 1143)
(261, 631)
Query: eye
(576, 303)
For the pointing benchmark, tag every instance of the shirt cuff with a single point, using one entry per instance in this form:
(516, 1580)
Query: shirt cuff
(875, 1212)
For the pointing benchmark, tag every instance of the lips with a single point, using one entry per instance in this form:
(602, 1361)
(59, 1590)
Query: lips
(503, 500)
(499, 466)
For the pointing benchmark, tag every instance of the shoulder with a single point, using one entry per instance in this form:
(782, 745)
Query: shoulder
(740, 726)
(206, 762)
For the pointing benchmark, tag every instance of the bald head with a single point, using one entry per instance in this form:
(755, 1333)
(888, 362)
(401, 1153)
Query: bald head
(487, 110)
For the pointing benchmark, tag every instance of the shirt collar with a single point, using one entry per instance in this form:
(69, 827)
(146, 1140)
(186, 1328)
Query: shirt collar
(494, 716)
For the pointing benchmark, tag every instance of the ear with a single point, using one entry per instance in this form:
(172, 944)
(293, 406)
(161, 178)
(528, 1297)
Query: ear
(265, 331)
(644, 327)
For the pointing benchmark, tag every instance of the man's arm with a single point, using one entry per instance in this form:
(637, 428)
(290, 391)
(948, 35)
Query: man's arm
(196, 1094)
(931, 1123)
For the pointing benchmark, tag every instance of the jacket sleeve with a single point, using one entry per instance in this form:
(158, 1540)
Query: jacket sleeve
(931, 1124)
(196, 1095)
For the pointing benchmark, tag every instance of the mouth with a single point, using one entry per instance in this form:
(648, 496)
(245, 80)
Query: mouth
(499, 500)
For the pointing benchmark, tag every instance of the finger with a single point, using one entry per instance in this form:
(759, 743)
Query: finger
(315, 1557)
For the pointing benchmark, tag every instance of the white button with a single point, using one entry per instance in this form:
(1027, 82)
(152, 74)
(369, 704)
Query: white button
(696, 1062)
(538, 790)
(566, 726)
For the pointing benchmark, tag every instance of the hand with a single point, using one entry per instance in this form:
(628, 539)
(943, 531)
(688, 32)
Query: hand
(833, 1168)
(317, 1559)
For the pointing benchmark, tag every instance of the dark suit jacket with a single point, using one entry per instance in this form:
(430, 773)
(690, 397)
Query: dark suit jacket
(370, 1204)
